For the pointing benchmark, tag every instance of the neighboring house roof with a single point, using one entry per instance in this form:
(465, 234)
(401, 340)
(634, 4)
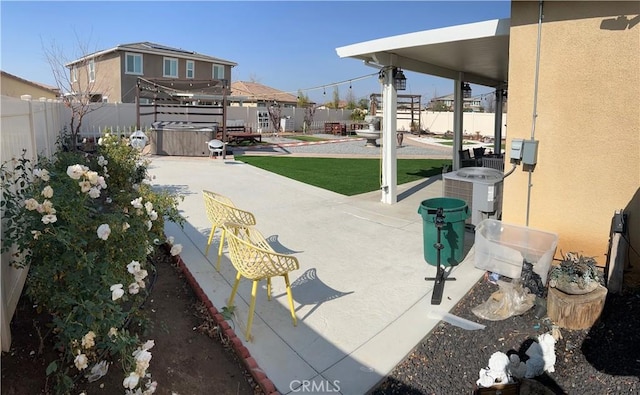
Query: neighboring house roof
(255, 91)
(53, 89)
(155, 49)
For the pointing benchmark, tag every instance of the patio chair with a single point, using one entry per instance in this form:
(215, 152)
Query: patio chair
(215, 147)
(220, 210)
(254, 259)
(465, 158)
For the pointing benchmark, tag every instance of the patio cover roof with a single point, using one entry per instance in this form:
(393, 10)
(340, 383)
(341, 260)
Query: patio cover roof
(479, 50)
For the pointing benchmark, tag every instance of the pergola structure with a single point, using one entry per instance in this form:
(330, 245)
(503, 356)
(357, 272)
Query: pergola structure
(476, 53)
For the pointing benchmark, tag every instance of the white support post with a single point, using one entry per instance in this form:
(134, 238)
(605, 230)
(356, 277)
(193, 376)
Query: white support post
(389, 155)
(457, 120)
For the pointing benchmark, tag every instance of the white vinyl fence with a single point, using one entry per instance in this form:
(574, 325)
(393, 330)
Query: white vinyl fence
(32, 126)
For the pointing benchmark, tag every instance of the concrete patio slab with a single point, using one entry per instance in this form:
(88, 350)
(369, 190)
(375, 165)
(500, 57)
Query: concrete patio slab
(360, 295)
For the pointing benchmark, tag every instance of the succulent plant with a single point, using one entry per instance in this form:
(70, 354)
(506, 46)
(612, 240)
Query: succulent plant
(576, 274)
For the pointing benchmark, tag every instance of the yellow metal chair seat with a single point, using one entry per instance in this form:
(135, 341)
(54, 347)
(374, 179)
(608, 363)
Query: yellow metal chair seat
(220, 210)
(253, 258)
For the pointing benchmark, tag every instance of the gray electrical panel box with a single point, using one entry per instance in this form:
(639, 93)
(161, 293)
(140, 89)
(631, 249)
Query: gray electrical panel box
(530, 152)
(516, 150)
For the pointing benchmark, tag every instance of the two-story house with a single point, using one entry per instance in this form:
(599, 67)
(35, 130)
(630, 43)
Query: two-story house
(112, 74)
(446, 103)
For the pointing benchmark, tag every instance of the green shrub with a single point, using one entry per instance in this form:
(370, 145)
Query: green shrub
(83, 225)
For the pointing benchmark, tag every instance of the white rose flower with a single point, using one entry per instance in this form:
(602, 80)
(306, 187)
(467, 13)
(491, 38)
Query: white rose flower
(81, 361)
(153, 215)
(148, 345)
(100, 141)
(88, 340)
(47, 192)
(103, 231)
(176, 249)
(102, 161)
(133, 266)
(31, 204)
(131, 381)
(151, 388)
(94, 193)
(170, 240)
(36, 234)
(148, 206)
(125, 226)
(49, 219)
(85, 186)
(140, 275)
(102, 183)
(75, 171)
(113, 332)
(116, 291)
(134, 288)
(47, 207)
(137, 203)
(43, 174)
(92, 176)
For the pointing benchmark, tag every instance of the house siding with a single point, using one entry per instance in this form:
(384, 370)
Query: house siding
(588, 122)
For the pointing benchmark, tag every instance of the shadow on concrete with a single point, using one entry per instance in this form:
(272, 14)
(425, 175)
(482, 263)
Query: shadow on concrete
(308, 289)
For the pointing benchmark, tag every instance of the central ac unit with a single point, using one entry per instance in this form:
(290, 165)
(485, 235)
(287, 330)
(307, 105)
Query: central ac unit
(480, 188)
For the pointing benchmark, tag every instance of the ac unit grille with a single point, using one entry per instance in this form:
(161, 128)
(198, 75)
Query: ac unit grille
(460, 190)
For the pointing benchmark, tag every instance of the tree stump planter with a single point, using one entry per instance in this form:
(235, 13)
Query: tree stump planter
(575, 312)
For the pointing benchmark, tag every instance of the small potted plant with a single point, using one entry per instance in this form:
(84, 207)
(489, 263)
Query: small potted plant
(576, 275)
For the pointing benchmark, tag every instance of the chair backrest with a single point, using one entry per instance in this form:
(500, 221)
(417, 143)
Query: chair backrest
(220, 210)
(478, 152)
(252, 256)
(464, 154)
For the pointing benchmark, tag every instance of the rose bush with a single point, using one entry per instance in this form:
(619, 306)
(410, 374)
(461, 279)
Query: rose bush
(83, 225)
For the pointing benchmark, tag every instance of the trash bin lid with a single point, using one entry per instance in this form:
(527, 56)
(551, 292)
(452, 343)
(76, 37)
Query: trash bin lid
(453, 209)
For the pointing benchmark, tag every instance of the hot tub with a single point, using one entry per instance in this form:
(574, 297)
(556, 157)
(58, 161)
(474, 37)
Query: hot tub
(181, 138)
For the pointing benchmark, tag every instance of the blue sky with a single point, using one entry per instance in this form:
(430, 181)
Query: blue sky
(287, 45)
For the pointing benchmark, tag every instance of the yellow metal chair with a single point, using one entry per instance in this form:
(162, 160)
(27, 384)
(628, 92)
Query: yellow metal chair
(220, 210)
(254, 259)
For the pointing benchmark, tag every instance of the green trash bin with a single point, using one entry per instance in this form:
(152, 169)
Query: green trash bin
(455, 213)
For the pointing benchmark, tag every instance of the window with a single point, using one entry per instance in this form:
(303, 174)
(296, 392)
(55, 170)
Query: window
(218, 72)
(74, 74)
(191, 68)
(133, 63)
(105, 99)
(92, 70)
(170, 68)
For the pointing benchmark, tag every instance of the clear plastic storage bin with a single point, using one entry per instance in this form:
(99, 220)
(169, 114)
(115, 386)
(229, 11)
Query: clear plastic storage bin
(501, 248)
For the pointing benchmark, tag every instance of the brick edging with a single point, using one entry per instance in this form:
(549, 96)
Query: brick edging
(241, 351)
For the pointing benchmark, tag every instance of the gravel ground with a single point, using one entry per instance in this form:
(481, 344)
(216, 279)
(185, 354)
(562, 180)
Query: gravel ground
(602, 360)
(409, 149)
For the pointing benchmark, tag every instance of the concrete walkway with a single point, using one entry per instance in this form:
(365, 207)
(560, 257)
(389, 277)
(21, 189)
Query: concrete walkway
(360, 295)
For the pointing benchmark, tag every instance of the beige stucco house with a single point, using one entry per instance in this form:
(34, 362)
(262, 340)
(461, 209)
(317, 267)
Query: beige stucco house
(580, 102)
(588, 121)
(14, 86)
(113, 73)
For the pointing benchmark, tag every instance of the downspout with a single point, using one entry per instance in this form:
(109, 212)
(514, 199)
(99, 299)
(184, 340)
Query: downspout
(535, 102)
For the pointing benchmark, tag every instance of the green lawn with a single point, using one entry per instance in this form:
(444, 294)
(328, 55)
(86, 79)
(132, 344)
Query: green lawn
(345, 176)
